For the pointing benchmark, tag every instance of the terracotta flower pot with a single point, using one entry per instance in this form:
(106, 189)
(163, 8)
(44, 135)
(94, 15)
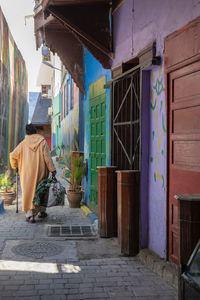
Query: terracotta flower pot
(8, 197)
(58, 158)
(74, 199)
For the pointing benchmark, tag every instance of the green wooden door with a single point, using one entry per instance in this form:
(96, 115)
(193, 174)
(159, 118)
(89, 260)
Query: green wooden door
(97, 136)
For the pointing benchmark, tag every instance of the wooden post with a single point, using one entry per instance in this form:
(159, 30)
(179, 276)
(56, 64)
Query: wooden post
(128, 191)
(107, 201)
(189, 230)
(189, 225)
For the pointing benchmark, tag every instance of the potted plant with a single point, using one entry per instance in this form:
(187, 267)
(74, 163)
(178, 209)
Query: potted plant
(58, 157)
(7, 188)
(74, 172)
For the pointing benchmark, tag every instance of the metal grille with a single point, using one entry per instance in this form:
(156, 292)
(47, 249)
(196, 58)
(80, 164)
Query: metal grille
(71, 231)
(126, 122)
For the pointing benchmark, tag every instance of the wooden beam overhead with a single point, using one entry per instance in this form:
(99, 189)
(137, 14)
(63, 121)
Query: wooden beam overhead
(47, 3)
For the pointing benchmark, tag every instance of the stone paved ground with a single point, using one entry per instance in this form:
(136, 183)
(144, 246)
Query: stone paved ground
(61, 268)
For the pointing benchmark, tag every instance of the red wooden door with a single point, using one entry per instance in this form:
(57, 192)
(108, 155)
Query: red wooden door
(48, 140)
(184, 143)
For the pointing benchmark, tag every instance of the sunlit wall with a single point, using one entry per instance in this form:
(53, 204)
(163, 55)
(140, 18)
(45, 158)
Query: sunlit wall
(13, 92)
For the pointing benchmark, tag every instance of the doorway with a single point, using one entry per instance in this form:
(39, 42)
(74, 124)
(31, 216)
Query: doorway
(183, 77)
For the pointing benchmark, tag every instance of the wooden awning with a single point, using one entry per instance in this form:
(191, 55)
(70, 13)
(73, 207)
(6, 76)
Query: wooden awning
(68, 25)
(47, 3)
(63, 42)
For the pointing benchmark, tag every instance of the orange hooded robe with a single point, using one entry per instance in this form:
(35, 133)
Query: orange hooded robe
(34, 162)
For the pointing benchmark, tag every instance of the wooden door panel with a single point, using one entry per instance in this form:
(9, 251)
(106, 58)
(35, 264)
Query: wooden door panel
(186, 153)
(48, 140)
(186, 87)
(186, 120)
(184, 144)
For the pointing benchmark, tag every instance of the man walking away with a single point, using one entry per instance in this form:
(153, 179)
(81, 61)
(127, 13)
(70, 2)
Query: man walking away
(33, 160)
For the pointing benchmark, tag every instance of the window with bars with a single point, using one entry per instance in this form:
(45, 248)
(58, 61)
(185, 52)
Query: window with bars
(45, 89)
(126, 122)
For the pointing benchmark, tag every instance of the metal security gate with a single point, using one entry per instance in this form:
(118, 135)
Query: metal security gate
(126, 122)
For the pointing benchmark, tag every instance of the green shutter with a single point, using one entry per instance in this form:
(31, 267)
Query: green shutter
(97, 136)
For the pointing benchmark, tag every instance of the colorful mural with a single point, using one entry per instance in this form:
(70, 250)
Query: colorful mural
(157, 164)
(66, 118)
(70, 130)
(13, 92)
(157, 96)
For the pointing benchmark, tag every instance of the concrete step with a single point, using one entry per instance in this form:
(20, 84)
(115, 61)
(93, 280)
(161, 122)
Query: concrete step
(165, 269)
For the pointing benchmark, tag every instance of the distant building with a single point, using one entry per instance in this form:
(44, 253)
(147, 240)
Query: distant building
(41, 119)
(33, 97)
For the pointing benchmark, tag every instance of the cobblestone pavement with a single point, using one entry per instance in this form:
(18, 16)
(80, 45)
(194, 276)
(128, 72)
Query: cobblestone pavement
(36, 266)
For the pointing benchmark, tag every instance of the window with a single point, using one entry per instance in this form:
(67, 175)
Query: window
(72, 94)
(66, 100)
(45, 89)
(62, 105)
(69, 94)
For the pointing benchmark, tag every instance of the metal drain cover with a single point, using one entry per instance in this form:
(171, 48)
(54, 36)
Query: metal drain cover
(37, 249)
(71, 231)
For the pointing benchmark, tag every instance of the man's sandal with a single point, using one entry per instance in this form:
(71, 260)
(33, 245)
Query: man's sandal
(30, 220)
(42, 215)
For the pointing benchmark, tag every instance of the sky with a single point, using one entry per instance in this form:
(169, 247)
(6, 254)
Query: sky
(14, 12)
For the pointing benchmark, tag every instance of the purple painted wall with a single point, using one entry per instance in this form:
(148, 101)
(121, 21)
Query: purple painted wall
(137, 24)
(157, 165)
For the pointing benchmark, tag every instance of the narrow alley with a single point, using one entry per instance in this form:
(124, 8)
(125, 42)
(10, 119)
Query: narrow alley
(37, 266)
(104, 95)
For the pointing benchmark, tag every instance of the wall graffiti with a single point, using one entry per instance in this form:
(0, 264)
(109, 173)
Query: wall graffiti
(13, 92)
(157, 95)
(68, 133)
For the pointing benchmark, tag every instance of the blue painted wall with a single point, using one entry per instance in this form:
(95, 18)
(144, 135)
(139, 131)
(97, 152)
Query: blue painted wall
(93, 72)
(33, 97)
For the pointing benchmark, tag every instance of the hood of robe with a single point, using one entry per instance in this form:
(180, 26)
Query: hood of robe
(33, 141)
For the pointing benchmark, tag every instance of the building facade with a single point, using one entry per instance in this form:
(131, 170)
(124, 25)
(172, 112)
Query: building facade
(168, 90)
(139, 78)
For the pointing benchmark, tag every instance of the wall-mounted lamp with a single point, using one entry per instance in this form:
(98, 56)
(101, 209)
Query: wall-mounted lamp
(45, 50)
(50, 65)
